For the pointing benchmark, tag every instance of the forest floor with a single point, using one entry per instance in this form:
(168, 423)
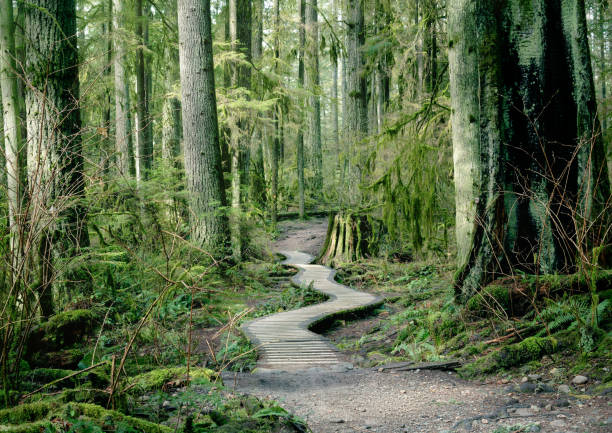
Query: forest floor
(369, 400)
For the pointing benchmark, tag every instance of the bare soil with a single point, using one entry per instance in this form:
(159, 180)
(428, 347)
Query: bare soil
(346, 399)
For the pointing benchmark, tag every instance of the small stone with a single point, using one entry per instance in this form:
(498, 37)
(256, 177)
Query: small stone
(534, 428)
(579, 380)
(524, 411)
(534, 408)
(561, 403)
(545, 387)
(166, 403)
(548, 406)
(534, 377)
(524, 379)
(485, 421)
(505, 381)
(565, 389)
(557, 423)
(528, 387)
(403, 391)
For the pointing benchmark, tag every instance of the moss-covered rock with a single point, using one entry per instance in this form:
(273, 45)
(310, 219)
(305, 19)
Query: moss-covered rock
(162, 378)
(31, 417)
(530, 349)
(492, 297)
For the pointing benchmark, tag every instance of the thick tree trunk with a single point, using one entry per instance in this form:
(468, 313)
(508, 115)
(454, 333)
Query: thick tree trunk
(105, 148)
(356, 119)
(300, 132)
(55, 161)
(349, 238)
(11, 132)
(275, 140)
(123, 138)
(530, 174)
(200, 128)
(314, 104)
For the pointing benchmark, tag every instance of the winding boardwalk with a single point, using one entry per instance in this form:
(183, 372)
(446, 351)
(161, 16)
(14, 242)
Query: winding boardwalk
(283, 339)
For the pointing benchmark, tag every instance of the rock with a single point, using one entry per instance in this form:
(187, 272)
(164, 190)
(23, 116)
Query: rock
(534, 408)
(561, 403)
(556, 371)
(510, 401)
(534, 377)
(403, 391)
(579, 380)
(534, 428)
(544, 387)
(557, 423)
(565, 389)
(528, 387)
(524, 379)
(337, 421)
(485, 421)
(548, 406)
(524, 411)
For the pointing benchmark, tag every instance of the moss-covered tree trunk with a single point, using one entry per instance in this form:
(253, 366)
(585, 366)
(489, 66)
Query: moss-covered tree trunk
(530, 173)
(349, 238)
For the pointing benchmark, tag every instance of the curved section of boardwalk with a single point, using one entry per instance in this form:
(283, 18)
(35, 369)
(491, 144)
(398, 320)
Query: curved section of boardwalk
(283, 339)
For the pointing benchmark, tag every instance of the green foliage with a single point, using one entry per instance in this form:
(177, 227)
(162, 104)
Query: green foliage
(290, 298)
(491, 298)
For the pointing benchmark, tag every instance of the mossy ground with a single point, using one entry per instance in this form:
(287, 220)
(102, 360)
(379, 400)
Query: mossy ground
(513, 327)
(154, 394)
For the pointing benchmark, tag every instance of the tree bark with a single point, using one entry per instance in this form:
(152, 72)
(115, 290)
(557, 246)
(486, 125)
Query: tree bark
(349, 238)
(335, 133)
(55, 161)
(530, 174)
(312, 85)
(123, 138)
(209, 225)
(11, 131)
(145, 147)
(275, 140)
(300, 132)
(356, 89)
(240, 37)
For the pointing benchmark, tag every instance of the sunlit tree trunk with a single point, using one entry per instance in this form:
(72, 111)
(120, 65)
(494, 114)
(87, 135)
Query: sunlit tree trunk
(11, 132)
(209, 225)
(55, 162)
(275, 141)
(123, 140)
(530, 174)
(335, 133)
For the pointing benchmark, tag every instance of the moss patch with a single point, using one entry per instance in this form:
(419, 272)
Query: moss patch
(163, 378)
(530, 349)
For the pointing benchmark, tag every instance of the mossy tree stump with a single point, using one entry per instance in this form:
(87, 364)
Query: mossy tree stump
(349, 238)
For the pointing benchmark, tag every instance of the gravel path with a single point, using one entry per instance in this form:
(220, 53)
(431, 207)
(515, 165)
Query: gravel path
(340, 399)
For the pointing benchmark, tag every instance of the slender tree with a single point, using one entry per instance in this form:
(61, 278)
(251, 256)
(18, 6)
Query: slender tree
(55, 162)
(275, 141)
(312, 84)
(123, 138)
(530, 174)
(144, 147)
(13, 142)
(209, 225)
(300, 132)
(240, 37)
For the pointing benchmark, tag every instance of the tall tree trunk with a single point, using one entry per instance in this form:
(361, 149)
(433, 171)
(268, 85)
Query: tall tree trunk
(240, 36)
(209, 225)
(144, 148)
(356, 89)
(123, 138)
(257, 178)
(55, 161)
(300, 132)
(275, 140)
(312, 84)
(603, 5)
(528, 180)
(105, 147)
(335, 138)
(11, 132)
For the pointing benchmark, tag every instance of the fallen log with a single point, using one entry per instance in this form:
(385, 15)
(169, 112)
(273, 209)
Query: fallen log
(443, 365)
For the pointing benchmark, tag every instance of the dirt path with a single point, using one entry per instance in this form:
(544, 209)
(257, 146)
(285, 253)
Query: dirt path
(341, 399)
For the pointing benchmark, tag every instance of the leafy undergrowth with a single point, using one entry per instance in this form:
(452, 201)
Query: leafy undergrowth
(72, 380)
(513, 327)
(158, 401)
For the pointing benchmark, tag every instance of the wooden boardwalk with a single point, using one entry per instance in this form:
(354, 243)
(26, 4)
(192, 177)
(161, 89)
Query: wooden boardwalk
(283, 339)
